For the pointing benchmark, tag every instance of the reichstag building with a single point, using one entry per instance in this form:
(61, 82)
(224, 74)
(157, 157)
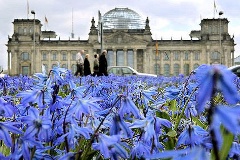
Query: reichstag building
(128, 40)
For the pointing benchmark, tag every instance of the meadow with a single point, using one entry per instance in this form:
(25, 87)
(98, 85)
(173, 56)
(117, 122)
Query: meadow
(56, 115)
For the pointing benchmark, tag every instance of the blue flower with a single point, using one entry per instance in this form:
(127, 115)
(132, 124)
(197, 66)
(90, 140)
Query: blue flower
(152, 128)
(228, 117)
(215, 76)
(190, 110)
(23, 147)
(39, 96)
(5, 128)
(35, 122)
(6, 108)
(118, 125)
(192, 135)
(104, 144)
(140, 149)
(234, 151)
(128, 107)
(196, 153)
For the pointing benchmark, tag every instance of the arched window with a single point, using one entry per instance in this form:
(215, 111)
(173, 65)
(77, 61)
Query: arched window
(195, 66)
(46, 68)
(166, 70)
(64, 66)
(54, 65)
(176, 69)
(25, 56)
(186, 69)
(73, 68)
(157, 69)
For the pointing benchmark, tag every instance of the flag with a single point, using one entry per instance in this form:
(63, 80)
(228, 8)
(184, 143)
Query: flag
(46, 21)
(156, 48)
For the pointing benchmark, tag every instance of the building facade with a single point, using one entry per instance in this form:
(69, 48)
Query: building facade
(128, 41)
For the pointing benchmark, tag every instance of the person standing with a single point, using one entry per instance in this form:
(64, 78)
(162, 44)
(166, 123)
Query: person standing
(103, 64)
(95, 65)
(87, 69)
(79, 63)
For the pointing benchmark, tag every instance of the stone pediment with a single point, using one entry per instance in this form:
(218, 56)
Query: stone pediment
(121, 37)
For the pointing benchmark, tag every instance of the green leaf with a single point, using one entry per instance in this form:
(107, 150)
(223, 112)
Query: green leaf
(173, 105)
(199, 123)
(227, 143)
(172, 133)
(163, 115)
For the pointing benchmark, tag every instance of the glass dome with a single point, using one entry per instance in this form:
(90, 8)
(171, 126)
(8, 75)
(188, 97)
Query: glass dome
(122, 18)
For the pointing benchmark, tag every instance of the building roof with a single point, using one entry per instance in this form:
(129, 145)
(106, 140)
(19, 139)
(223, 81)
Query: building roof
(122, 18)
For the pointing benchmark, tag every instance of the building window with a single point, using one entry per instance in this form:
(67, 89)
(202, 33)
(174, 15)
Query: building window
(176, 69)
(74, 68)
(196, 55)
(186, 69)
(215, 56)
(166, 55)
(74, 55)
(25, 70)
(25, 56)
(54, 65)
(20, 30)
(166, 70)
(176, 55)
(30, 30)
(64, 66)
(130, 58)
(120, 58)
(54, 56)
(44, 56)
(45, 68)
(157, 69)
(195, 66)
(186, 55)
(110, 58)
(64, 56)
(25, 30)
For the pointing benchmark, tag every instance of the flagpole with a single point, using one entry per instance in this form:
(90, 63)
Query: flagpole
(27, 9)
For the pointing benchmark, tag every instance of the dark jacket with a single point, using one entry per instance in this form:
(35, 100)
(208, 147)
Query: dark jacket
(103, 65)
(87, 69)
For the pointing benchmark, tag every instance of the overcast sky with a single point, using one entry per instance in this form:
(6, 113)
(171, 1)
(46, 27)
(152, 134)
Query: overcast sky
(168, 18)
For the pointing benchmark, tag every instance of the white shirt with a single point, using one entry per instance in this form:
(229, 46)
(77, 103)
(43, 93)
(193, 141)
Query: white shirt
(79, 58)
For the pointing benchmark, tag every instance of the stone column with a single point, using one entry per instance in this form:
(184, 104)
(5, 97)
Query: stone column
(145, 60)
(125, 56)
(69, 60)
(190, 60)
(135, 58)
(9, 56)
(49, 61)
(114, 57)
